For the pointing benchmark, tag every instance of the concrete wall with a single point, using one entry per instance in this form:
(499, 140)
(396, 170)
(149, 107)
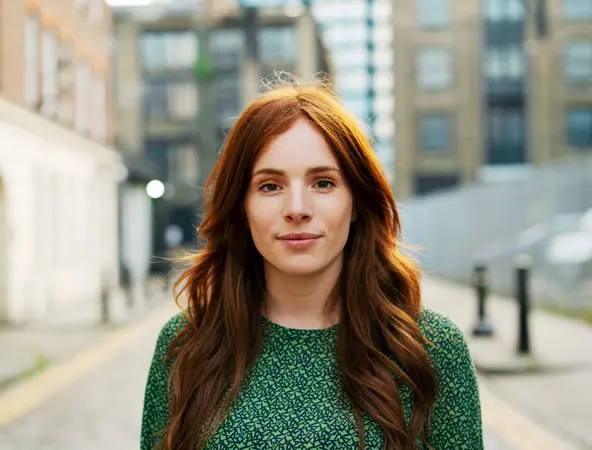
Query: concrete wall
(136, 208)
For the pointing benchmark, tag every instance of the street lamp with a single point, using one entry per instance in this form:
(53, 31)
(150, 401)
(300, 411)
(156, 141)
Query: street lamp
(155, 189)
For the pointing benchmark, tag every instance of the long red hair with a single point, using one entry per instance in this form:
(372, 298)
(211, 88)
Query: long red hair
(379, 343)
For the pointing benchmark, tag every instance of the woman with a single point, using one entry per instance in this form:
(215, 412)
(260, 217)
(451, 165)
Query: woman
(304, 327)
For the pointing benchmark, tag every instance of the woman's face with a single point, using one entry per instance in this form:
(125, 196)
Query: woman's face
(298, 206)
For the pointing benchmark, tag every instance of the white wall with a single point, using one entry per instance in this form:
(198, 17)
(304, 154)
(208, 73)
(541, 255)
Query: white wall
(60, 208)
(136, 209)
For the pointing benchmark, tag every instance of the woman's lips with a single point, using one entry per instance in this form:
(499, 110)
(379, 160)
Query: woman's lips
(299, 241)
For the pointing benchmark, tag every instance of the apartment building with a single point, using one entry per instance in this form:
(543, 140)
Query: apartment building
(485, 90)
(58, 170)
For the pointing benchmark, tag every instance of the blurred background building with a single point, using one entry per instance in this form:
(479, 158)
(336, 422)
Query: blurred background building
(59, 171)
(119, 111)
(490, 89)
(493, 137)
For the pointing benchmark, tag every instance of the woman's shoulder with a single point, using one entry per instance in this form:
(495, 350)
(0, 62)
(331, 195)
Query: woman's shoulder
(438, 328)
(447, 344)
(169, 331)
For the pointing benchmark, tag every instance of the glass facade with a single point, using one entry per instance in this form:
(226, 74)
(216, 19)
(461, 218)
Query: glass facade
(504, 10)
(162, 50)
(505, 70)
(578, 127)
(506, 135)
(171, 100)
(435, 133)
(434, 13)
(578, 62)
(577, 10)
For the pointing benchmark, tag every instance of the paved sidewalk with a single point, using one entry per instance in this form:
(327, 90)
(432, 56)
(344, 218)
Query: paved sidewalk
(25, 351)
(97, 405)
(552, 386)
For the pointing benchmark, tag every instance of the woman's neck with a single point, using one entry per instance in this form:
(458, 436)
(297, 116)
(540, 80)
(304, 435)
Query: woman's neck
(302, 301)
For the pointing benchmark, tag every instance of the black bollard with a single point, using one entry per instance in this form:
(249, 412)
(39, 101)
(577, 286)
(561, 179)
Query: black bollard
(523, 266)
(480, 282)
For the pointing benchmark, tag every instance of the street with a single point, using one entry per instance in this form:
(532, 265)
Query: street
(102, 410)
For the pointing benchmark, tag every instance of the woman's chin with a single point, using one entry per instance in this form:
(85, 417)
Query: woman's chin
(300, 265)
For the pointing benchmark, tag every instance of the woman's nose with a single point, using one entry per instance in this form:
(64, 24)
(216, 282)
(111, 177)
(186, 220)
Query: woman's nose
(298, 205)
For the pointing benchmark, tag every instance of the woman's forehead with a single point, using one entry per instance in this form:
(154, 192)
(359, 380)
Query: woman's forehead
(301, 146)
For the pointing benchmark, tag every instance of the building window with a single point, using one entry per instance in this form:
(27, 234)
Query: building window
(430, 183)
(278, 44)
(83, 98)
(434, 69)
(228, 100)
(354, 96)
(352, 56)
(50, 78)
(155, 100)
(164, 50)
(502, 63)
(183, 164)
(504, 10)
(577, 9)
(352, 80)
(384, 129)
(579, 127)
(65, 106)
(171, 100)
(183, 100)
(435, 133)
(434, 13)
(226, 48)
(97, 11)
(32, 59)
(99, 113)
(506, 136)
(156, 152)
(578, 62)
(345, 33)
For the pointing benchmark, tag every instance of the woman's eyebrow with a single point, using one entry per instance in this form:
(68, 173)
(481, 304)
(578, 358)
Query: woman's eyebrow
(310, 171)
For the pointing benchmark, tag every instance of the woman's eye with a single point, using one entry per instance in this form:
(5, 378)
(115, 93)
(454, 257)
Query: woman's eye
(269, 187)
(325, 184)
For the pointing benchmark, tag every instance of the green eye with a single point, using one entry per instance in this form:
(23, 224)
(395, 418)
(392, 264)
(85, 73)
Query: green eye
(325, 184)
(269, 187)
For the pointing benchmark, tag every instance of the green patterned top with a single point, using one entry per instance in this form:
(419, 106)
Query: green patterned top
(292, 400)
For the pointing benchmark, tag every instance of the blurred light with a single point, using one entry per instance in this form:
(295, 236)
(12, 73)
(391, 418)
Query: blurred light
(155, 189)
